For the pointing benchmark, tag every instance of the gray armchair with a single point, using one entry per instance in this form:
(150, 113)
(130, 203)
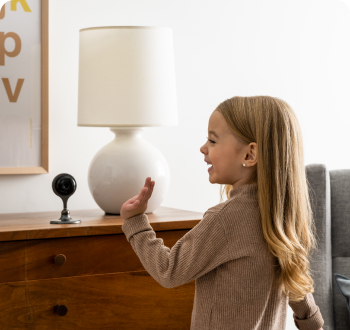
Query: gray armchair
(330, 199)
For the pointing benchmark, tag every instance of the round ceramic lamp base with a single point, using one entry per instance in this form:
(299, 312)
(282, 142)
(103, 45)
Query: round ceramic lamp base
(119, 170)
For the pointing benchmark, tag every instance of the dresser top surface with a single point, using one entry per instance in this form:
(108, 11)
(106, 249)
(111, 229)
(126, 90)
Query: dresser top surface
(36, 225)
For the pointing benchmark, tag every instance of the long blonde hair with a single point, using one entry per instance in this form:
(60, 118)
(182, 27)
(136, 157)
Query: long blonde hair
(286, 214)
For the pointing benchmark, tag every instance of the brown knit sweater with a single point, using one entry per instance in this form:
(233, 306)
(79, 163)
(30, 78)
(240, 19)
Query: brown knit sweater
(234, 271)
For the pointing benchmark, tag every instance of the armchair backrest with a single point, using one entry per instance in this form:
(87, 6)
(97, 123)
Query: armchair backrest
(330, 199)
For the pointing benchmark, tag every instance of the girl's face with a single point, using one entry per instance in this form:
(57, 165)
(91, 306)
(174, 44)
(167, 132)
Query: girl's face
(227, 154)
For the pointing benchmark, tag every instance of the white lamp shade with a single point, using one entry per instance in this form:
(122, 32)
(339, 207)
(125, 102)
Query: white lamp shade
(126, 77)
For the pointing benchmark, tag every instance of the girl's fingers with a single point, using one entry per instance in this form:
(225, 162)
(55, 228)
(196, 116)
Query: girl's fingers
(130, 207)
(150, 191)
(133, 205)
(131, 200)
(152, 186)
(142, 194)
(145, 191)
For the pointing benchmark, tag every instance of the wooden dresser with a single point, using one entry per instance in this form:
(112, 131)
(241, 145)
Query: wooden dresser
(86, 275)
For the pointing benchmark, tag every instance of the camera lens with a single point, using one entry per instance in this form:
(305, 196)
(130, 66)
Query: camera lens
(65, 185)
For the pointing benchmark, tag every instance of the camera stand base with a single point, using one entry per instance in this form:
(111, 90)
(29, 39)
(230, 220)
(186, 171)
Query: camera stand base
(65, 218)
(65, 221)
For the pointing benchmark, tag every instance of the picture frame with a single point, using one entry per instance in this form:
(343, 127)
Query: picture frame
(24, 108)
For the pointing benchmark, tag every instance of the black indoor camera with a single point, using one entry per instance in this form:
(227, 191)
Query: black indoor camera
(64, 186)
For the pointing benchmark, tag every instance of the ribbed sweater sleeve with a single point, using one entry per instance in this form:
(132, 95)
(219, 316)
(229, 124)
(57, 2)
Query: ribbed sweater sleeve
(199, 251)
(307, 315)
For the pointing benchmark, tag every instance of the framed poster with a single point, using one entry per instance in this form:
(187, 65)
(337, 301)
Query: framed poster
(24, 106)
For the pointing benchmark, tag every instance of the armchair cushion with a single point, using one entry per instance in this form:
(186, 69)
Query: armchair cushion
(343, 284)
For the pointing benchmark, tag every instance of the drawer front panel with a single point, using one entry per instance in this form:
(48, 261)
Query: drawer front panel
(13, 261)
(35, 259)
(112, 301)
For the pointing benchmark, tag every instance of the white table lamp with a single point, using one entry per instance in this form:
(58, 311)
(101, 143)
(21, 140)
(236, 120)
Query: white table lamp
(127, 82)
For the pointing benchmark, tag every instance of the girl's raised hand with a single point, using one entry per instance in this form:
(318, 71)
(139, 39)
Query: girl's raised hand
(138, 204)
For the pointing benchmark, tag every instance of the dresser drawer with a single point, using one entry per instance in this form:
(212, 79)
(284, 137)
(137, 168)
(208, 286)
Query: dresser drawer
(88, 255)
(131, 300)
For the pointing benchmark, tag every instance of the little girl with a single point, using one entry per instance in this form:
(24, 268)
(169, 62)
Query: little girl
(249, 254)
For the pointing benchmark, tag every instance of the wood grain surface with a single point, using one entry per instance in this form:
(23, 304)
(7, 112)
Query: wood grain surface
(36, 225)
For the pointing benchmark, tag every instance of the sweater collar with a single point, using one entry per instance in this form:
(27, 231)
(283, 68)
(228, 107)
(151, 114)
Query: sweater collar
(249, 190)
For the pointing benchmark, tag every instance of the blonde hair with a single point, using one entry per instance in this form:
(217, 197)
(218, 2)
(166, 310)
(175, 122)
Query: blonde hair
(286, 214)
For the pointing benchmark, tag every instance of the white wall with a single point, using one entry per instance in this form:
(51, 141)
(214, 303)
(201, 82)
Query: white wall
(297, 50)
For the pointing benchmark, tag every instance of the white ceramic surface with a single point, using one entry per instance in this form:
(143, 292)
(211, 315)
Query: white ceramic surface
(119, 169)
